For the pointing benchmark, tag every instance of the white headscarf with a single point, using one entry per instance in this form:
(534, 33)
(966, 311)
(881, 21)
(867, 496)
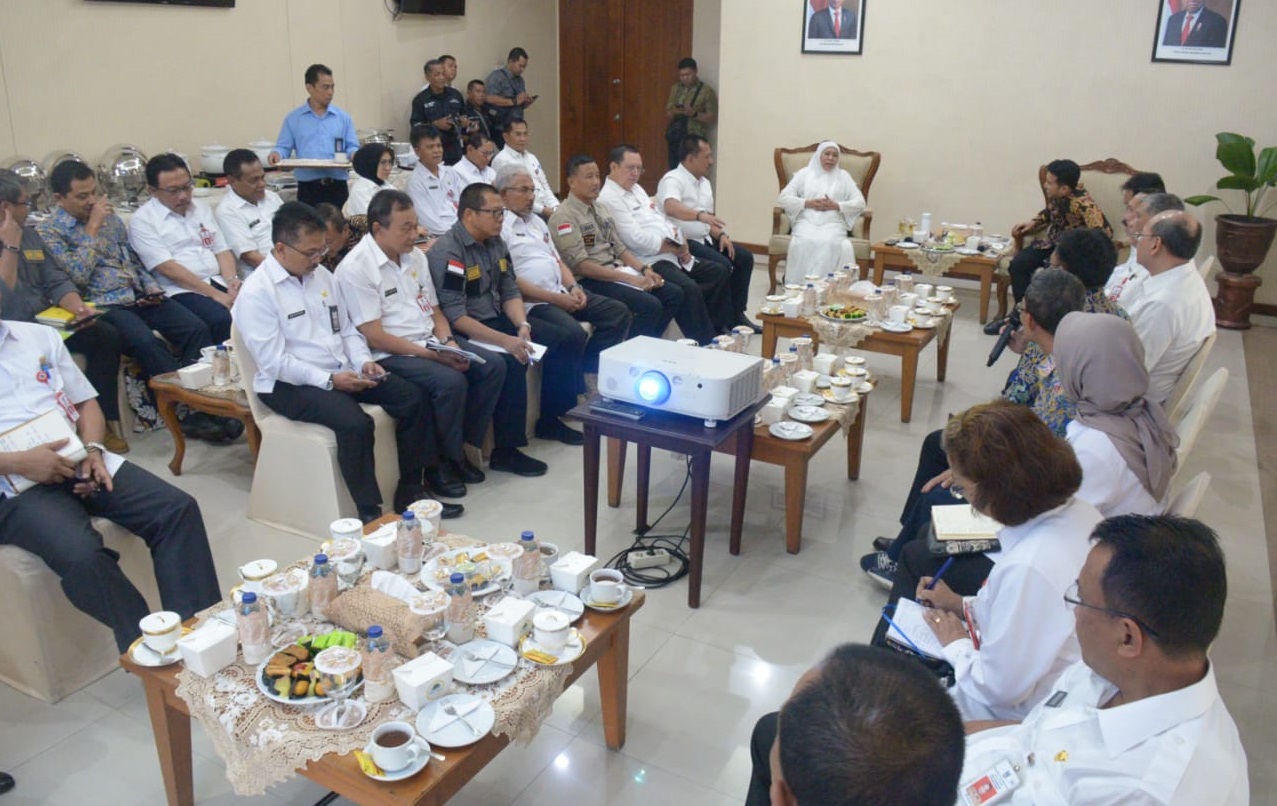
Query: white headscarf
(813, 182)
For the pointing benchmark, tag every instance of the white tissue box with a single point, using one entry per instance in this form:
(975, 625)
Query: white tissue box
(775, 410)
(209, 649)
(826, 363)
(422, 680)
(572, 571)
(784, 393)
(509, 620)
(805, 380)
(196, 376)
(380, 549)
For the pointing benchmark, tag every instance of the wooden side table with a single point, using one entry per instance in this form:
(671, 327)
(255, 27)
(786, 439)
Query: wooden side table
(975, 267)
(231, 403)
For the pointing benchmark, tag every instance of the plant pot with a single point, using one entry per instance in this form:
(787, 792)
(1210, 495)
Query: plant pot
(1242, 242)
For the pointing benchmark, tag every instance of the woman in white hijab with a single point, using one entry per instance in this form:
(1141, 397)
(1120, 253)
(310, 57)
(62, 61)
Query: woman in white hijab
(822, 202)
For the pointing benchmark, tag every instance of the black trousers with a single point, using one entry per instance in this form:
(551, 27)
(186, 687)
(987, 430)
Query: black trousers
(713, 277)
(740, 267)
(760, 748)
(186, 331)
(964, 577)
(651, 310)
(459, 405)
(354, 429)
(693, 315)
(1022, 267)
(52, 523)
(318, 191)
(610, 318)
(215, 315)
(100, 344)
(510, 420)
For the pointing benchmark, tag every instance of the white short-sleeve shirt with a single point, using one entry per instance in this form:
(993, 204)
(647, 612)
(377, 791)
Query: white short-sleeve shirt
(641, 226)
(401, 295)
(679, 184)
(435, 197)
(545, 201)
(246, 225)
(532, 252)
(159, 235)
(1173, 314)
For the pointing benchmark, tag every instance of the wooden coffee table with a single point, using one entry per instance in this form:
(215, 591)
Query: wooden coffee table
(607, 638)
(232, 403)
(906, 345)
(975, 267)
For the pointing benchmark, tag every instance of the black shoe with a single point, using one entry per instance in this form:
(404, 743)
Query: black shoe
(198, 425)
(742, 319)
(994, 327)
(882, 543)
(6, 782)
(554, 429)
(369, 514)
(234, 428)
(467, 472)
(407, 492)
(451, 511)
(441, 481)
(513, 460)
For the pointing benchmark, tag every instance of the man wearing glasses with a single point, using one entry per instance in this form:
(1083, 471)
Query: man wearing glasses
(1139, 719)
(476, 165)
(471, 269)
(178, 239)
(314, 366)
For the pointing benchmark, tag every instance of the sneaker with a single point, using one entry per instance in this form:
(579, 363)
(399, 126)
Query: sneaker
(513, 460)
(880, 568)
(555, 429)
(882, 543)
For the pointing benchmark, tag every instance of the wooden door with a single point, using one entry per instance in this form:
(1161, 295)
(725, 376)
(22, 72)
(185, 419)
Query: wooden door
(617, 62)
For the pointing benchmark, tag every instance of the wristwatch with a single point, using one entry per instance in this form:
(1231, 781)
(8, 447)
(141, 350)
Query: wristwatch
(12, 248)
(524, 323)
(452, 339)
(95, 446)
(328, 384)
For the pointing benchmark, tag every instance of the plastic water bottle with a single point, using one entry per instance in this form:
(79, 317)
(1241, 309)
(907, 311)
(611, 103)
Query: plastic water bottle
(809, 300)
(323, 586)
(527, 568)
(221, 366)
(376, 651)
(460, 603)
(254, 629)
(408, 543)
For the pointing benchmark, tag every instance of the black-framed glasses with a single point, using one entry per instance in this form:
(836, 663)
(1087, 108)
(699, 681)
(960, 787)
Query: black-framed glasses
(495, 212)
(1073, 598)
(313, 257)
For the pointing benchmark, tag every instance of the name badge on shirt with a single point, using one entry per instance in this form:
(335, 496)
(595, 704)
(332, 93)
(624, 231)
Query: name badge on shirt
(68, 408)
(33, 254)
(390, 292)
(206, 237)
(424, 304)
(296, 314)
(1055, 699)
(333, 318)
(589, 240)
(473, 273)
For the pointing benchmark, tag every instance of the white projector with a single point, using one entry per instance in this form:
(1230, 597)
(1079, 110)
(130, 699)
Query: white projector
(664, 375)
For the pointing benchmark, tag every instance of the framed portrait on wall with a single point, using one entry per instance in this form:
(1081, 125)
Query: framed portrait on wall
(833, 26)
(1195, 31)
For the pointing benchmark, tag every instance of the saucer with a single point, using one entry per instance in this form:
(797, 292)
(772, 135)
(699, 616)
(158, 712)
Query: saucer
(501, 664)
(854, 360)
(865, 387)
(967, 251)
(574, 649)
(145, 658)
(455, 733)
(769, 311)
(790, 431)
(907, 245)
(809, 399)
(855, 398)
(809, 414)
(627, 596)
(896, 327)
(412, 769)
(924, 323)
(566, 603)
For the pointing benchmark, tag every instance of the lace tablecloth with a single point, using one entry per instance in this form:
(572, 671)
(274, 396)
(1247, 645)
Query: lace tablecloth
(263, 742)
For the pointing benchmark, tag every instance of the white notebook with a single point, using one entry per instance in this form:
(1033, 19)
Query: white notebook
(962, 522)
(911, 619)
(48, 427)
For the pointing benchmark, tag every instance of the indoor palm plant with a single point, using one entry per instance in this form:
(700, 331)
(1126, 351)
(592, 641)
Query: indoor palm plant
(1242, 240)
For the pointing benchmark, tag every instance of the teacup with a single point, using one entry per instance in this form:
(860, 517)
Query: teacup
(856, 373)
(606, 586)
(944, 292)
(161, 630)
(841, 389)
(287, 593)
(551, 629)
(346, 527)
(549, 556)
(793, 290)
(923, 290)
(395, 745)
(898, 313)
(909, 299)
(252, 574)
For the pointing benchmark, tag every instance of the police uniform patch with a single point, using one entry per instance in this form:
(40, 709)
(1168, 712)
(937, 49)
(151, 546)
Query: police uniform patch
(473, 273)
(503, 265)
(33, 254)
(565, 229)
(589, 240)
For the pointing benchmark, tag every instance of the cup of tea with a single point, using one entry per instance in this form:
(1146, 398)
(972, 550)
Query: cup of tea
(606, 586)
(551, 629)
(923, 290)
(944, 292)
(161, 630)
(252, 574)
(840, 389)
(898, 313)
(395, 745)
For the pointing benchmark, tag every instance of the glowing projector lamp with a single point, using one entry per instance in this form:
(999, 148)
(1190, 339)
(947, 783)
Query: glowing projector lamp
(662, 375)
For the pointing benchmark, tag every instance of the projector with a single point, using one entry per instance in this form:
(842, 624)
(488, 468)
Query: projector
(664, 375)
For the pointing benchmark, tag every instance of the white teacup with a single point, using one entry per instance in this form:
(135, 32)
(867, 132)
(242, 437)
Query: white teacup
(346, 527)
(287, 593)
(252, 574)
(606, 586)
(909, 299)
(549, 555)
(944, 292)
(395, 745)
(840, 389)
(551, 629)
(923, 290)
(898, 313)
(161, 630)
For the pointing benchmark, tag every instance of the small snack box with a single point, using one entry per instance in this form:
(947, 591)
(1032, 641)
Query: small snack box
(775, 410)
(509, 620)
(196, 376)
(209, 649)
(572, 571)
(422, 680)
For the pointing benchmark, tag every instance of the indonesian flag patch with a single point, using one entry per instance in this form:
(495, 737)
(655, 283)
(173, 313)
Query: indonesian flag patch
(565, 229)
(456, 267)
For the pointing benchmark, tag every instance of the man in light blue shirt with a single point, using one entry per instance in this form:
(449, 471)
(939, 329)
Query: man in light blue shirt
(317, 130)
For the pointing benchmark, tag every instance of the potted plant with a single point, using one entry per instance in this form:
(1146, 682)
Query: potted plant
(1242, 240)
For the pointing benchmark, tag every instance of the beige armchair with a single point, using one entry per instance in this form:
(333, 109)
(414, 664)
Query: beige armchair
(862, 165)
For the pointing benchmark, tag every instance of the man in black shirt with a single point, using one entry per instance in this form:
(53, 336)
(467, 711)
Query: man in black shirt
(442, 107)
(476, 99)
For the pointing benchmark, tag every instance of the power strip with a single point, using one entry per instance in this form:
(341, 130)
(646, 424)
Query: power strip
(647, 558)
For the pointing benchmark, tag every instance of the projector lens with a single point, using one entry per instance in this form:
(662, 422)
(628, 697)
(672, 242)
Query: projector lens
(653, 388)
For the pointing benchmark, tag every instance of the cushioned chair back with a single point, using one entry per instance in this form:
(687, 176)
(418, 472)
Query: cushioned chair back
(1207, 266)
(247, 369)
(862, 165)
(1103, 180)
(1186, 501)
(1200, 406)
(1187, 382)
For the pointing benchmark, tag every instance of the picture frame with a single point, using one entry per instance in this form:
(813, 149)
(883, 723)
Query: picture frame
(822, 33)
(1205, 37)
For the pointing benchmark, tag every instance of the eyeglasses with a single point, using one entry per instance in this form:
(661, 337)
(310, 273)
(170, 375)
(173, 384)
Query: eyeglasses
(179, 190)
(1139, 235)
(958, 491)
(488, 154)
(1073, 598)
(495, 212)
(521, 189)
(636, 169)
(313, 257)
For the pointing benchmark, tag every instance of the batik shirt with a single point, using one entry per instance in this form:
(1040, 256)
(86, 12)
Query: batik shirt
(1078, 211)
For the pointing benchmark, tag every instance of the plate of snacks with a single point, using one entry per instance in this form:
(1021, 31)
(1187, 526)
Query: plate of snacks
(475, 563)
(844, 313)
(289, 676)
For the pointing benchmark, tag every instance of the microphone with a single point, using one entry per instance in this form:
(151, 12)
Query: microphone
(1012, 325)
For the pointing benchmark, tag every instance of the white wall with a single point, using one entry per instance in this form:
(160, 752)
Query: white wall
(966, 100)
(84, 75)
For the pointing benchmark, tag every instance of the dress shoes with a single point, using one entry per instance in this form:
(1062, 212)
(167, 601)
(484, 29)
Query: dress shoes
(441, 481)
(468, 473)
(555, 429)
(113, 442)
(6, 782)
(882, 543)
(234, 428)
(198, 425)
(742, 319)
(994, 327)
(513, 460)
(451, 511)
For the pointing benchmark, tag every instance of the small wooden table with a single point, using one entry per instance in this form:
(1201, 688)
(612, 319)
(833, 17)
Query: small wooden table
(975, 267)
(607, 646)
(232, 403)
(793, 455)
(906, 345)
(672, 432)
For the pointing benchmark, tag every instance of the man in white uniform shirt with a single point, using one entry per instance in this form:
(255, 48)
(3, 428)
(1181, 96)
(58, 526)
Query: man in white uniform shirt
(313, 365)
(1172, 313)
(686, 197)
(1139, 719)
(653, 237)
(1124, 284)
(475, 164)
(434, 187)
(516, 153)
(177, 238)
(550, 292)
(386, 286)
(245, 213)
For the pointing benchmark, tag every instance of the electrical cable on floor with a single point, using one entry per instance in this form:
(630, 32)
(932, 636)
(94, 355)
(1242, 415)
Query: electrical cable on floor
(675, 545)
